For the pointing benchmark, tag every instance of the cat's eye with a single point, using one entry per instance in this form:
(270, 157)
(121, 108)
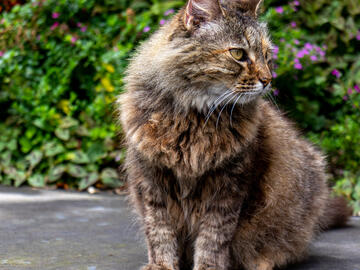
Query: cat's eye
(238, 54)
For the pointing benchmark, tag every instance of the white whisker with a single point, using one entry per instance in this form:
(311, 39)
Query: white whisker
(233, 107)
(230, 99)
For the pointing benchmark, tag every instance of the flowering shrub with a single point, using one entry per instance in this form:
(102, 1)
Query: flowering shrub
(317, 80)
(61, 66)
(62, 62)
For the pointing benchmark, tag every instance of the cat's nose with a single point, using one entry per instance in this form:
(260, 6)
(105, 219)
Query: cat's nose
(265, 81)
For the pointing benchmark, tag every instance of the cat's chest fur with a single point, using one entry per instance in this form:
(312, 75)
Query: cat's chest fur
(188, 146)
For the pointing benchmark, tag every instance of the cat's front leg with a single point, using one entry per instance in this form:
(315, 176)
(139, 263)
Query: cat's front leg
(160, 235)
(217, 229)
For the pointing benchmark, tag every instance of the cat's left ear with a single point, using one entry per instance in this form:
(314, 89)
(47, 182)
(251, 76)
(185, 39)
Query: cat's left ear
(200, 11)
(248, 7)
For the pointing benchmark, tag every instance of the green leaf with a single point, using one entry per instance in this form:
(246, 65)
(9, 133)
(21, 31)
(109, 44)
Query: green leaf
(78, 157)
(96, 151)
(89, 180)
(12, 145)
(82, 131)
(110, 178)
(2, 146)
(63, 134)
(5, 158)
(76, 171)
(68, 122)
(34, 158)
(53, 148)
(19, 178)
(37, 180)
(56, 172)
(39, 123)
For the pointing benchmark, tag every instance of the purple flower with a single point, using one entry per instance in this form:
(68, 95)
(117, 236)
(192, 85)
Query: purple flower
(298, 66)
(83, 29)
(296, 60)
(336, 73)
(313, 58)
(279, 10)
(73, 40)
(345, 98)
(146, 29)
(162, 22)
(358, 36)
(297, 42)
(168, 12)
(275, 49)
(357, 88)
(2, 53)
(296, 3)
(282, 40)
(56, 24)
(350, 91)
(309, 46)
(322, 53)
(274, 74)
(55, 15)
(276, 92)
(300, 54)
(79, 24)
(293, 24)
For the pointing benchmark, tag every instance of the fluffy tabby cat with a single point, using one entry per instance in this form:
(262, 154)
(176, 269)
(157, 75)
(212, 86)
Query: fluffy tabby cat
(220, 179)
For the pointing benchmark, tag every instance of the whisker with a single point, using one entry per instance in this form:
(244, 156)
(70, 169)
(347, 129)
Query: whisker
(220, 97)
(230, 99)
(214, 107)
(272, 100)
(227, 93)
(233, 107)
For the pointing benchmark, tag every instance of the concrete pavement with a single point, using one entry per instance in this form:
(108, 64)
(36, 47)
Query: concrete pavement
(56, 230)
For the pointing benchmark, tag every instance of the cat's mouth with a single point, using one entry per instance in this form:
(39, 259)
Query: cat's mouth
(257, 90)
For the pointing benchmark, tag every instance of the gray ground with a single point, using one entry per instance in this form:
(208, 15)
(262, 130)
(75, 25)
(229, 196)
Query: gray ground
(50, 230)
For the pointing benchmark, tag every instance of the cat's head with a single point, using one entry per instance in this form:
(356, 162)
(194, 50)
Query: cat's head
(214, 51)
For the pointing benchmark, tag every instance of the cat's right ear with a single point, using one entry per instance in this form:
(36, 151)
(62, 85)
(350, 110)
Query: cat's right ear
(200, 11)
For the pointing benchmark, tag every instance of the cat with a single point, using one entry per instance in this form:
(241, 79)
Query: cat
(220, 179)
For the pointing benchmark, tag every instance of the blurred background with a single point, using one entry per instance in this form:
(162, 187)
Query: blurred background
(62, 65)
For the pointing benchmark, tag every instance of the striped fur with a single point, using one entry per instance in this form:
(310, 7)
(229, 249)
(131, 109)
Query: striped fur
(231, 186)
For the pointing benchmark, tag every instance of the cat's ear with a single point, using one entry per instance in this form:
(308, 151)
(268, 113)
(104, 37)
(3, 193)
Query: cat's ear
(199, 11)
(248, 7)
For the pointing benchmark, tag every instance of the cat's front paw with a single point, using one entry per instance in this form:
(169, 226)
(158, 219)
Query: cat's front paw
(155, 267)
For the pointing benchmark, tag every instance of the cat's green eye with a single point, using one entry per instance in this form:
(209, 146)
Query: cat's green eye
(238, 54)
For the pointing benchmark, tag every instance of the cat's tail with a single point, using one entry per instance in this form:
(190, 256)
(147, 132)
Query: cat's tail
(337, 213)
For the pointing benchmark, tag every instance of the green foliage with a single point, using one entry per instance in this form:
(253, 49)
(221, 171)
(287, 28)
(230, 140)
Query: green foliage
(318, 79)
(62, 64)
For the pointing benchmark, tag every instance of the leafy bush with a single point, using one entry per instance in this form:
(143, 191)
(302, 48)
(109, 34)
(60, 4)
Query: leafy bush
(318, 78)
(6, 5)
(62, 62)
(61, 66)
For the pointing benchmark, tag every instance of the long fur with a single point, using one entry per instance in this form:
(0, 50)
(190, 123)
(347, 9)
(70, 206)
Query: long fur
(220, 179)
